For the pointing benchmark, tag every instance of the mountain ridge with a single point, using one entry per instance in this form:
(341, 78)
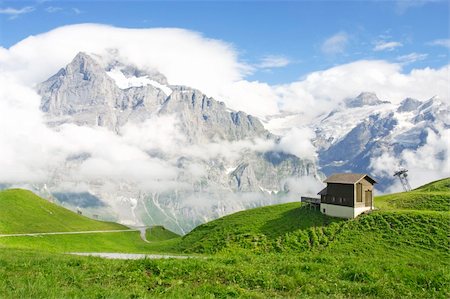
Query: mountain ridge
(84, 94)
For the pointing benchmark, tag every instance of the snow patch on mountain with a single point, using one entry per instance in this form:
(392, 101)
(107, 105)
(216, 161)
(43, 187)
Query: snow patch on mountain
(124, 82)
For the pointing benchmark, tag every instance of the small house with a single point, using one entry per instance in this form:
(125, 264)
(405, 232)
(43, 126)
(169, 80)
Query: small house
(347, 195)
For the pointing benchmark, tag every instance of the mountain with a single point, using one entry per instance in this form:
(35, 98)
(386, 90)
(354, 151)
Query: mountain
(197, 158)
(352, 136)
(223, 160)
(364, 99)
(87, 93)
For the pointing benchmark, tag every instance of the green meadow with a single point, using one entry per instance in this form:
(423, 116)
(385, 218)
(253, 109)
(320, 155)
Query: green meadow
(280, 251)
(22, 211)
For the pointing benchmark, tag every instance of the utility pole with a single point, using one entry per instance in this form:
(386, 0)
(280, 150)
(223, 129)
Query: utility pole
(403, 177)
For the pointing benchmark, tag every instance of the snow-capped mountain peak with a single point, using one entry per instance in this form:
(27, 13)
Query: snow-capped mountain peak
(364, 99)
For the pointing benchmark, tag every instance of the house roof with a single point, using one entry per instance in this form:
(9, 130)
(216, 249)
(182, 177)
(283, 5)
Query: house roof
(323, 191)
(348, 178)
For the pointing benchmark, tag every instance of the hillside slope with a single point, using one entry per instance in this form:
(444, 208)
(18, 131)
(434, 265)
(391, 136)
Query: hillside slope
(413, 218)
(433, 196)
(268, 222)
(160, 233)
(22, 211)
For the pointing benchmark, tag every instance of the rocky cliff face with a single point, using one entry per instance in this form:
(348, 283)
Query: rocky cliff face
(224, 161)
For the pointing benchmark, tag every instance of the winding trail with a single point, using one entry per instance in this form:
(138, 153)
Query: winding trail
(141, 229)
(128, 256)
(142, 232)
(131, 256)
(70, 233)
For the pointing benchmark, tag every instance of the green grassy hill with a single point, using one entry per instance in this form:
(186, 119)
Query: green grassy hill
(160, 233)
(434, 196)
(295, 227)
(22, 211)
(282, 251)
(267, 223)
(278, 251)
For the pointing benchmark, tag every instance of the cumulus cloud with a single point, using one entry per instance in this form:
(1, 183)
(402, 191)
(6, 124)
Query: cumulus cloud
(306, 186)
(203, 63)
(335, 44)
(386, 46)
(24, 156)
(257, 98)
(320, 91)
(298, 142)
(213, 67)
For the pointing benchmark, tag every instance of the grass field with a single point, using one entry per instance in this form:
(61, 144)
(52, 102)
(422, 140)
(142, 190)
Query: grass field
(22, 211)
(130, 242)
(254, 226)
(400, 251)
(160, 233)
(359, 271)
(434, 196)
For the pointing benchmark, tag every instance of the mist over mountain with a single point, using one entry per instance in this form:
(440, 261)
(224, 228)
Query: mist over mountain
(215, 160)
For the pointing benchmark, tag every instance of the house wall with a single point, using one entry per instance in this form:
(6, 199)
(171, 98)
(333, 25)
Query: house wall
(358, 211)
(342, 211)
(360, 194)
(339, 194)
(337, 211)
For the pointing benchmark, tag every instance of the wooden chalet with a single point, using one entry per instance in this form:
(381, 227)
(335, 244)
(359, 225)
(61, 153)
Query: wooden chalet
(347, 195)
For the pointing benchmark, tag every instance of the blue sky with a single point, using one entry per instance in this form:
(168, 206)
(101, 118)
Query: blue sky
(282, 40)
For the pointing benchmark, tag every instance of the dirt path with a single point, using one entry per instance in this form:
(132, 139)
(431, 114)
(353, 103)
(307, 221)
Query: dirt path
(71, 233)
(131, 256)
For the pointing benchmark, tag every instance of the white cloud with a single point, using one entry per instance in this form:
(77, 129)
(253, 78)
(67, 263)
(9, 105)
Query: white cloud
(273, 61)
(444, 42)
(321, 91)
(306, 186)
(298, 142)
(256, 98)
(53, 9)
(209, 65)
(386, 46)
(412, 57)
(335, 44)
(15, 12)
(213, 67)
(429, 162)
(203, 63)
